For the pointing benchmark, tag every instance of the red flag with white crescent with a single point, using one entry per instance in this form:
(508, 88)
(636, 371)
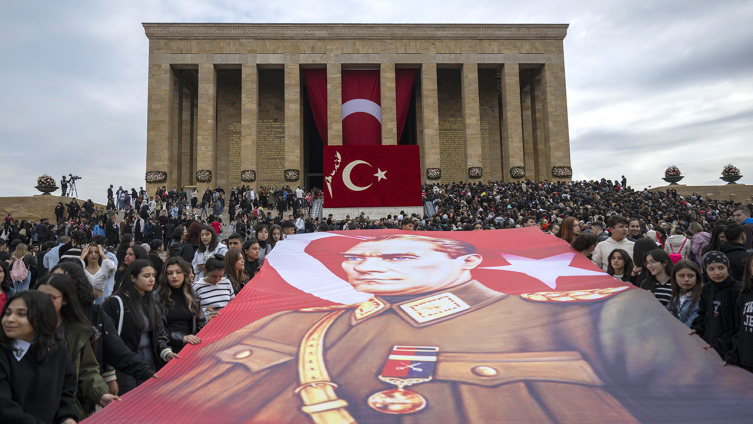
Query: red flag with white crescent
(361, 107)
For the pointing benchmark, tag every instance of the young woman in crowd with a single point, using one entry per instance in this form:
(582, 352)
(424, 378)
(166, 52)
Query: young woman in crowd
(27, 261)
(687, 283)
(98, 267)
(209, 247)
(142, 329)
(660, 272)
(262, 236)
(619, 264)
(639, 273)
(569, 229)
(155, 249)
(193, 239)
(275, 234)
(678, 244)
(6, 284)
(74, 327)
(133, 253)
(251, 264)
(112, 353)
(176, 243)
(741, 353)
(180, 311)
(234, 269)
(32, 357)
(126, 241)
(717, 239)
(214, 289)
(585, 244)
(716, 323)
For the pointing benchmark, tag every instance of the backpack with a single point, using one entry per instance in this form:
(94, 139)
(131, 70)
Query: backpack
(675, 257)
(18, 271)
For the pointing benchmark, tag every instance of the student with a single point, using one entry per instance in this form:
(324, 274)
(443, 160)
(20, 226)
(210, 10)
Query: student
(75, 329)
(569, 230)
(133, 253)
(180, 311)
(234, 269)
(716, 314)
(214, 289)
(209, 247)
(20, 268)
(155, 249)
(618, 227)
(659, 275)
(262, 236)
(6, 284)
(28, 333)
(585, 244)
(619, 265)
(142, 329)
(741, 353)
(251, 263)
(98, 267)
(275, 234)
(687, 283)
(734, 248)
(641, 248)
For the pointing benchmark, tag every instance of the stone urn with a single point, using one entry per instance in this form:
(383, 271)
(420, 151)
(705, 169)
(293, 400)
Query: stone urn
(674, 179)
(730, 179)
(46, 190)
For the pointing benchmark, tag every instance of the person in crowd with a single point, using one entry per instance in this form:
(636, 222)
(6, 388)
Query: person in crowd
(717, 239)
(208, 248)
(177, 240)
(112, 354)
(735, 249)
(597, 228)
(262, 236)
(677, 245)
(142, 330)
(74, 327)
(72, 250)
(635, 232)
(21, 263)
(741, 353)
(619, 265)
(98, 267)
(133, 253)
(618, 227)
(569, 229)
(192, 241)
(214, 290)
(641, 248)
(155, 250)
(53, 256)
(741, 215)
(6, 284)
(39, 383)
(659, 267)
(698, 242)
(251, 264)
(715, 323)
(584, 243)
(179, 308)
(687, 283)
(234, 269)
(235, 241)
(275, 234)
(126, 241)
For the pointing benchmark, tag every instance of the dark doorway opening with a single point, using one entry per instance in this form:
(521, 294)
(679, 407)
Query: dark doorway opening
(409, 137)
(313, 146)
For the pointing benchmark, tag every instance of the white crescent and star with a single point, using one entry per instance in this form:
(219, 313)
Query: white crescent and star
(381, 175)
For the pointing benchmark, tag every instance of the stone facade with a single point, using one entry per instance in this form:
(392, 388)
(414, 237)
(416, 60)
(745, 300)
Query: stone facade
(34, 208)
(227, 97)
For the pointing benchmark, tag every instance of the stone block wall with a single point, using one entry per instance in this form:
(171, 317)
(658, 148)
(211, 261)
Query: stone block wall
(34, 208)
(271, 128)
(228, 153)
(451, 126)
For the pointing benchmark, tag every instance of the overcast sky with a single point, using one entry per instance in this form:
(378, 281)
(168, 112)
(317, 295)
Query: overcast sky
(649, 84)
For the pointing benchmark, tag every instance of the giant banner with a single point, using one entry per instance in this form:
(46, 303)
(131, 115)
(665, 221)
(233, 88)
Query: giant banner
(440, 327)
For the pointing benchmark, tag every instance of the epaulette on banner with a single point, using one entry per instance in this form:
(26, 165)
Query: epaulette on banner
(574, 296)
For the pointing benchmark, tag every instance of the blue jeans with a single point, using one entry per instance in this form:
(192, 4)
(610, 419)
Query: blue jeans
(19, 286)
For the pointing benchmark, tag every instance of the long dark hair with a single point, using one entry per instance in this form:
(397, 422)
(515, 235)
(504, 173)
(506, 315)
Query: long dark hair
(272, 229)
(133, 301)
(677, 290)
(236, 277)
(74, 271)
(747, 275)
(164, 287)
(628, 264)
(566, 229)
(714, 243)
(641, 248)
(71, 310)
(658, 255)
(125, 243)
(194, 233)
(41, 315)
(7, 283)
(212, 244)
(138, 251)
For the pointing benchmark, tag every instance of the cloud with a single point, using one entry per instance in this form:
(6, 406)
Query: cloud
(649, 84)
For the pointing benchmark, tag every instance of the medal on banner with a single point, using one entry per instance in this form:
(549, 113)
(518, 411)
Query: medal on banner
(405, 366)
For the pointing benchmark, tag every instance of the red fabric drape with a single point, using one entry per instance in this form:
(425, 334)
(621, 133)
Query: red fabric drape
(404, 88)
(316, 86)
(361, 111)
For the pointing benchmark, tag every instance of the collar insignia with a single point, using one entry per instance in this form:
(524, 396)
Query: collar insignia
(434, 307)
(367, 309)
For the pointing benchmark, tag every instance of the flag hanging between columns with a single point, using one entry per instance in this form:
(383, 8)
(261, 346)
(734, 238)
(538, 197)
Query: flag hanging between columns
(361, 110)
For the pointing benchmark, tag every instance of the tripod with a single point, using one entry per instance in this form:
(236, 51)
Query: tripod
(72, 188)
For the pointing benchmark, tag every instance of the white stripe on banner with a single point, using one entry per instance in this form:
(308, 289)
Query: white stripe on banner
(362, 105)
(413, 358)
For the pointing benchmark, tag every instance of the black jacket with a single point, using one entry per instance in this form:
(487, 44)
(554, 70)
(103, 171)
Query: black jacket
(177, 332)
(35, 393)
(189, 249)
(156, 261)
(716, 314)
(742, 342)
(737, 254)
(175, 249)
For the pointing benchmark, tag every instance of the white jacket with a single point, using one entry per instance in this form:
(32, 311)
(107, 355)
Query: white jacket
(677, 243)
(604, 248)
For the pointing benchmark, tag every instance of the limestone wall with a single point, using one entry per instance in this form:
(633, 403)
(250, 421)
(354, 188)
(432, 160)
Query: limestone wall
(737, 192)
(34, 208)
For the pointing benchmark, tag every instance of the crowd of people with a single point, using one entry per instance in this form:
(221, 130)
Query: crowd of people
(97, 302)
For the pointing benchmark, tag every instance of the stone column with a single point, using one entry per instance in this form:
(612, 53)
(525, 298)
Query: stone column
(554, 108)
(512, 137)
(249, 116)
(430, 117)
(207, 125)
(334, 105)
(529, 154)
(293, 117)
(471, 116)
(389, 104)
(159, 120)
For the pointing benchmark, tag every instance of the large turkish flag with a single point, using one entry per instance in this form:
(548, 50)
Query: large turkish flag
(371, 176)
(362, 110)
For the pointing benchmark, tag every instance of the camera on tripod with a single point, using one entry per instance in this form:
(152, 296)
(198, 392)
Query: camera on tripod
(74, 177)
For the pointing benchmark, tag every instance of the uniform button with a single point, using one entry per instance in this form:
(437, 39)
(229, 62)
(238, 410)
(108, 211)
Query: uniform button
(483, 371)
(243, 354)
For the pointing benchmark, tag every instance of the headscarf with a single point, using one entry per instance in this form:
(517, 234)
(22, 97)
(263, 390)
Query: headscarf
(715, 256)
